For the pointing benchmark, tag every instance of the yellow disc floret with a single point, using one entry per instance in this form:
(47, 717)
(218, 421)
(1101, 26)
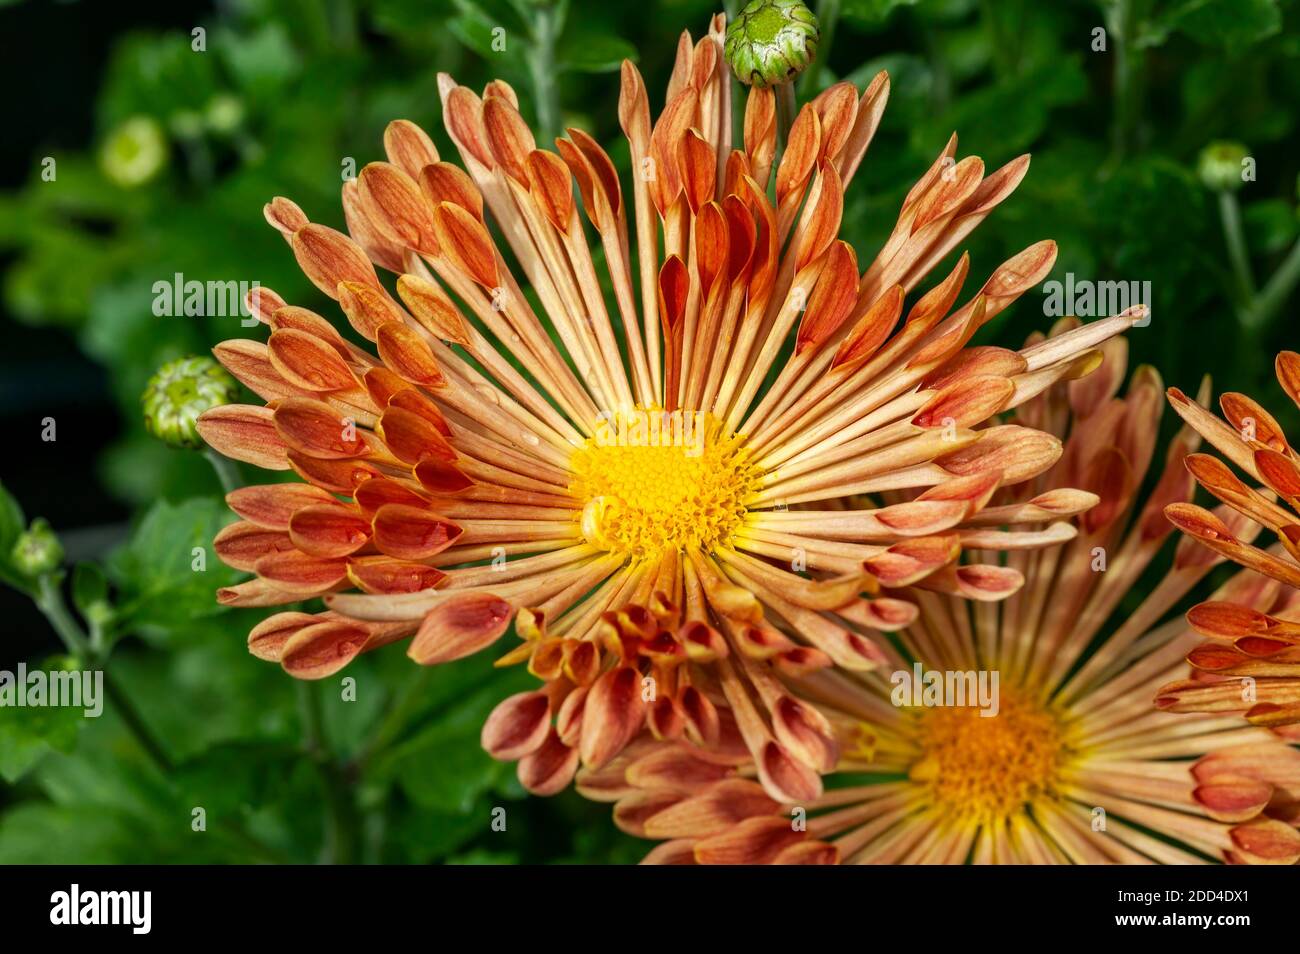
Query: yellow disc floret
(653, 481)
(987, 768)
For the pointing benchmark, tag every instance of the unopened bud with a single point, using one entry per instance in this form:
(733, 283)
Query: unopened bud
(179, 392)
(770, 42)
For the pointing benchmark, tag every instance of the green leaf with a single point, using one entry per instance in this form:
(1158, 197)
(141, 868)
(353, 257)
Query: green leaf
(157, 571)
(871, 13)
(443, 766)
(89, 587)
(594, 53)
(12, 523)
(28, 732)
(448, 771)
(158, 75)
(475, 34)
(37, 833)
(54, 281)
(262, 61)
(188, 709)
(999, 121)
(1271, 225)
(1231, 24)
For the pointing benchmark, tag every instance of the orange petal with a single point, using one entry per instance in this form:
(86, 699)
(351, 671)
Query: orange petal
(315, 652)
(966, 402)
(802, 148)
(871, 330)
(328, 257)
(509, 137)
(316, 428)
(411, 438)
(296, 572)
(285, 216)
(432, 308)
(340, 476)
(460, 626)
(244, 432)
(442, 477)
(517, 726)
(832, 298)
(463, 114)
(409, 355)
(382, 574)
(329, 530)
(242, 544)
(367, 308)
(823, 224)
(412, 533)
(397, 208)
(408, 147)
(267, 639)
(466, 242)
(271, 505)
(785, 778)
(444, 182)
(309, 362)
(614, 713)
(755, 841)
(1268, 842)
(250, 363)
(548, 770)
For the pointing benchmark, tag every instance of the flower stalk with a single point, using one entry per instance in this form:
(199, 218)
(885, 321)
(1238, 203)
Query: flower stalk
(50, 601)
(547, 24)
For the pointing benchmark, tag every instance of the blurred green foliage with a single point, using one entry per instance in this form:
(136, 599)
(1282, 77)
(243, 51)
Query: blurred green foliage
(1115, 100)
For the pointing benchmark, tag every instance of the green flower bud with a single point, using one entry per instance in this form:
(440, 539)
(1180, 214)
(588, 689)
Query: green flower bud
(37, 550)
(134, 152)
(771, 42)
(1220, 165)
(224, 114)
(179, 392)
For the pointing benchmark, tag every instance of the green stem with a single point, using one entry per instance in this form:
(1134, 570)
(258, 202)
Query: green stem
(135, 722)
(1276, 290)
(1121, 23)
(49, 599)
(340, 811)
(227, 470)
(786, 108)
(828, 15)
(547, 23)
(1238, 255)
(394, 720)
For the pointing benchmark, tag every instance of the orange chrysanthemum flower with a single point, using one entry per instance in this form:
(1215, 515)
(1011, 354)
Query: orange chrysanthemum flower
(1251, 664)
(655, 464)
(1065, 760)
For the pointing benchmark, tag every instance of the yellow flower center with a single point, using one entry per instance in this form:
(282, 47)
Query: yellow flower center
(987, 768)
(654, 481)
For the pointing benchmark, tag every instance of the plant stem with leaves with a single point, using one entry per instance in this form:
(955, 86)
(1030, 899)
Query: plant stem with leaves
(1234, 236)
(49, 600)
(547, 24)
(1121, 27)
(1265, 306)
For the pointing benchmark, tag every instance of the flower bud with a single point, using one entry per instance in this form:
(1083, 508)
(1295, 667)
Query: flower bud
(224, 114)
(134, 152)
(771, 42)
(179, 392)
(37, 550)
(1220, 165)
